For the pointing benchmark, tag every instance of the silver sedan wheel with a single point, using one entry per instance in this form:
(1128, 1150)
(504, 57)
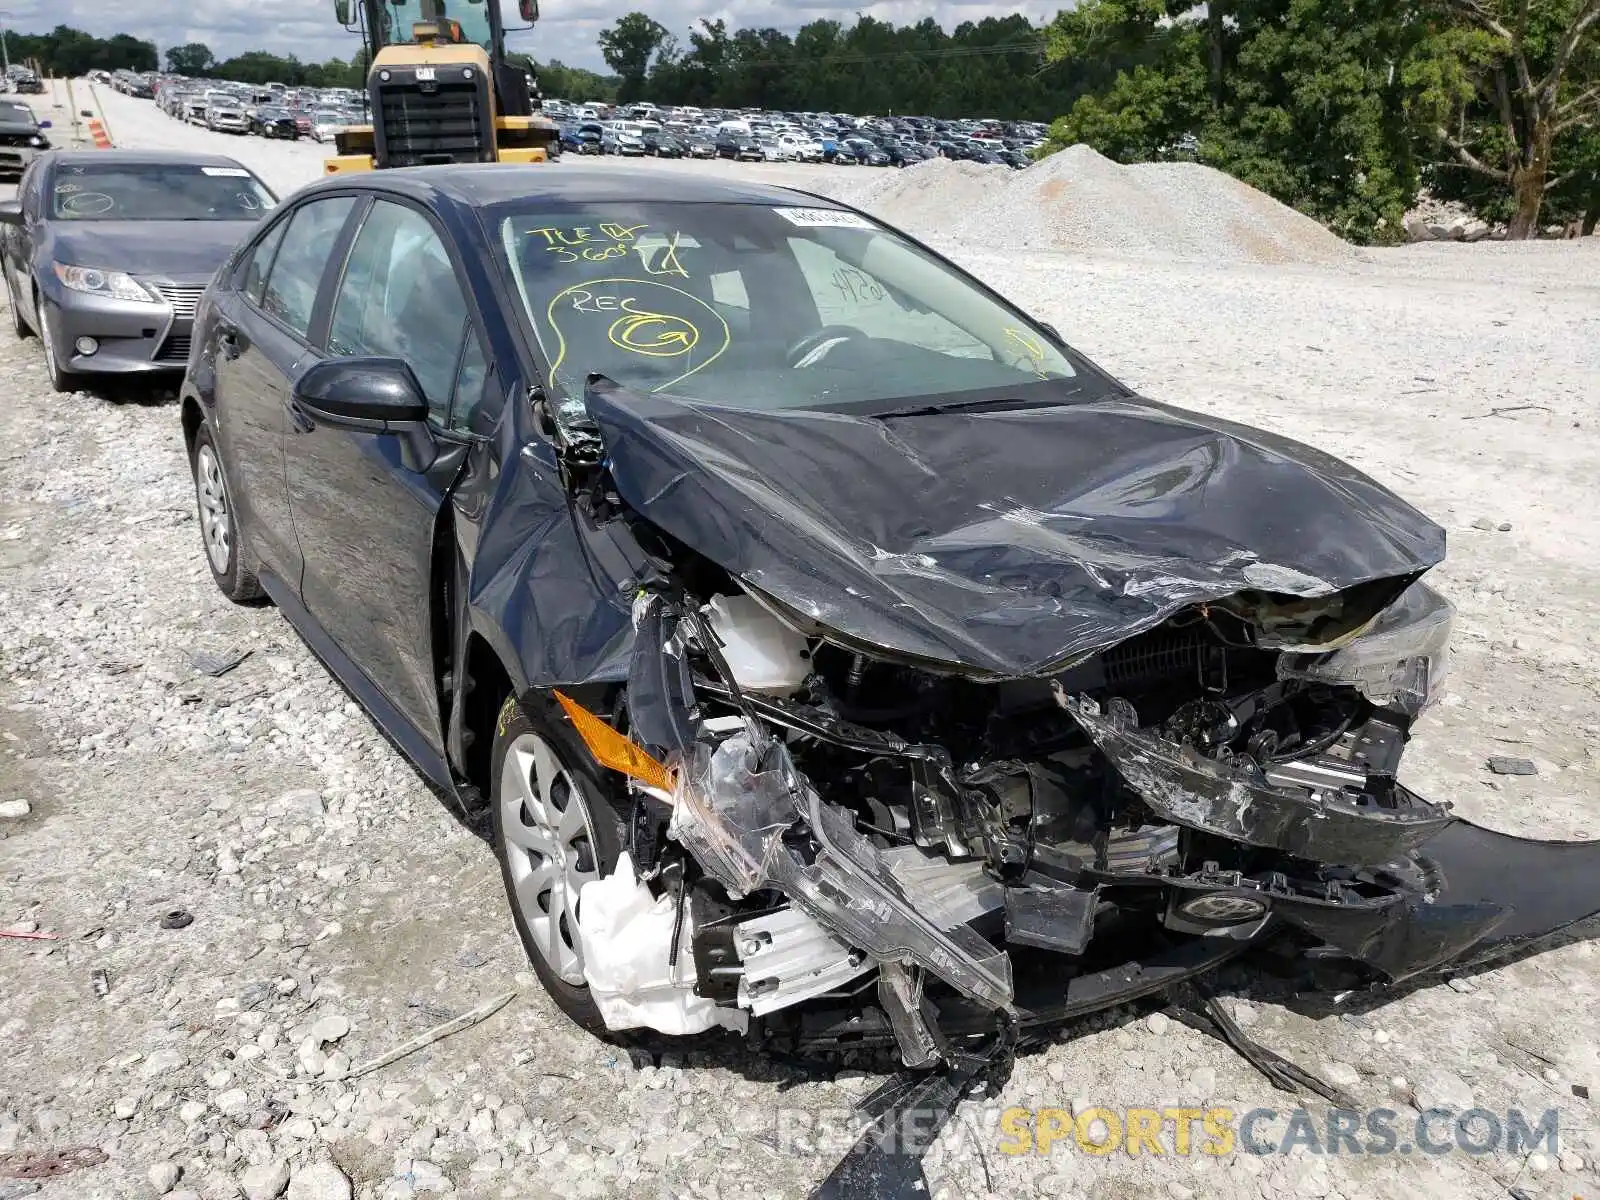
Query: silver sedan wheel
(549, 847)
(47, 336)
(216, 523)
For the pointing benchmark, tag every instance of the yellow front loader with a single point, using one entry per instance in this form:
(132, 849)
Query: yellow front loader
(440, 89)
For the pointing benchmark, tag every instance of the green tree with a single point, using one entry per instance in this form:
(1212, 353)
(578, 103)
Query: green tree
(1514, 90)
(193, 58)
(68, 51)
(628, 47)
(1307, 100)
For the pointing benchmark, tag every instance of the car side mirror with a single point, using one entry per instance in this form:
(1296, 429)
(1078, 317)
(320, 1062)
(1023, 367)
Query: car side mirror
(10, 212)
(368, 395)
(45, 124)
(341, 11)
(528, 10)
(363, 389)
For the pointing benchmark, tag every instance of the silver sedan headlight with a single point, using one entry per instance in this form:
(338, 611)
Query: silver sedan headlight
(1400, 661)
(117, 285)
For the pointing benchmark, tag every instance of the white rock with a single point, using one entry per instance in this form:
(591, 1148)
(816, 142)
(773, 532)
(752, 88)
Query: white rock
(319, 1181)
(1341, 1074)
(191, 1111)
(427, 1177)
(1439, 1088)
(232, 1103)
(265, 1182)
(162, 1062)
(1158, 1023)
(125, 1107)
(330, 1028)
(11, 810)
(1204, 1082)
(163, 1176)
(337, 1066)
(1538, 1163)
(1571, 1162)
(312, 1060)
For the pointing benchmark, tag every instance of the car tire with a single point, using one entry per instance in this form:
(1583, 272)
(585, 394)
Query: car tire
(540, 763)
(233, 566)
(59, 378)
(19, 323)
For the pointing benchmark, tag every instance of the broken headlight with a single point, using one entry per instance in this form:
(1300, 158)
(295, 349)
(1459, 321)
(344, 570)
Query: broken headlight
(1400, 662)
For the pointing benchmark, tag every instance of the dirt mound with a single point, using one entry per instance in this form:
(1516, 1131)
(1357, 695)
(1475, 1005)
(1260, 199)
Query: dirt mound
(1080, 200)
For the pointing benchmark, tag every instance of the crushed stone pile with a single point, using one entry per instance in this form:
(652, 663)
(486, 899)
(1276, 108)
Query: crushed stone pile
(1079, 200)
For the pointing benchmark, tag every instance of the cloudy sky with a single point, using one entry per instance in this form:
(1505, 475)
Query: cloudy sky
(566, 31)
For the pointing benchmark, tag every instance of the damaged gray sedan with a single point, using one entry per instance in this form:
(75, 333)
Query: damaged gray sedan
(839, 655)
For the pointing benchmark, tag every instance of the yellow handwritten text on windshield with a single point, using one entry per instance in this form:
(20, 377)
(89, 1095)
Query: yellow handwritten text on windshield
(643, 316)
(607, 240)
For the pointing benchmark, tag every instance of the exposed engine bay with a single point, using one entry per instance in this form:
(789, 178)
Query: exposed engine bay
(892, 814)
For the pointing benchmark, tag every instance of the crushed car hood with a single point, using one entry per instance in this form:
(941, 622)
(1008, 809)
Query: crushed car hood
(178, 250)
(1005, 542)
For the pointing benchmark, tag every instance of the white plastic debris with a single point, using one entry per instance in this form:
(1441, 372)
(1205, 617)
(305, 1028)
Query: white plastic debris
(763, 653)
(626, 938)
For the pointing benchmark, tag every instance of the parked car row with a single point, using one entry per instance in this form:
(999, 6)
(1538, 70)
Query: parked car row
(835, 742)
(273, 110)
(22, 80)
(752, 136)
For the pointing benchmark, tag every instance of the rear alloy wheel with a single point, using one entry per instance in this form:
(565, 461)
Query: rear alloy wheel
(58, 377)
(554, 831)
(230, 561)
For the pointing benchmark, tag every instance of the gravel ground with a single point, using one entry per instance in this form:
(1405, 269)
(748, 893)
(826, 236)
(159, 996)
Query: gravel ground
(338, 909)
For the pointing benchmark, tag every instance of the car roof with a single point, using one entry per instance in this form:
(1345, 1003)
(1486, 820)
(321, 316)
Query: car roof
(480, 185)
(143, 157)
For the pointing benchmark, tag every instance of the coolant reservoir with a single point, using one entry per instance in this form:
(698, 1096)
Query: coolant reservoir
(763, 653)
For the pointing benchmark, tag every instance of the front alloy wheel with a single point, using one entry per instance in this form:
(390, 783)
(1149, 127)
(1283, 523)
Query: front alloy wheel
(554, 831)
(549, 846)
(47, 335)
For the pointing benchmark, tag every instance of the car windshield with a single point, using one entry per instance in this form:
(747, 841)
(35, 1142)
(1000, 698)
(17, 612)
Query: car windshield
(156, 192)
(761, 306)
(15, 112)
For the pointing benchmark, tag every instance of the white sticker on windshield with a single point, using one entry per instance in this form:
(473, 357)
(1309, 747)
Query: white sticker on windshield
(230, 172)
(817, 218)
